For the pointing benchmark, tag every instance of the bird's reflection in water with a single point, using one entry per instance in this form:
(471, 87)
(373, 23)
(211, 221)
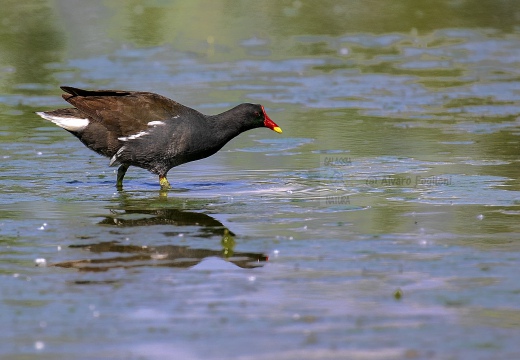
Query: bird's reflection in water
(199, 225)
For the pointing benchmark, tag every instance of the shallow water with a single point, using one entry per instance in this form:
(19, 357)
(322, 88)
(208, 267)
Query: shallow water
(382, 224)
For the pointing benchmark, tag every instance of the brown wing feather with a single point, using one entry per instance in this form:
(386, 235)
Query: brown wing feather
(124, 112)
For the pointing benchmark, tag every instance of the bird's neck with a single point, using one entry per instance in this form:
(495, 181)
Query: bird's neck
(228, 125)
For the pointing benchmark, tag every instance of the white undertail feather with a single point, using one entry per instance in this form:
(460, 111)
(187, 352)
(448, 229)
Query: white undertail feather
(68, 123)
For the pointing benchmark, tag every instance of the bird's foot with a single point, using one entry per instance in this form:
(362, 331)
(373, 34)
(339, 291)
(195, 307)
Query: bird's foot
(165, 185)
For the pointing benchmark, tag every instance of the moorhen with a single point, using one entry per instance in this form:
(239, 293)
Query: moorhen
(148, 130)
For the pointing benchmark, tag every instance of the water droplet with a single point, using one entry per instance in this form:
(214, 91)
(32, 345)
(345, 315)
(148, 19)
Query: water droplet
(480, 217)
(40, 262)
(58, 248)
(39, 345)
(251, 278)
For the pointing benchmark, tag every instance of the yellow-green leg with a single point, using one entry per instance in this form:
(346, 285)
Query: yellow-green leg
(120, 175)
(165, 185)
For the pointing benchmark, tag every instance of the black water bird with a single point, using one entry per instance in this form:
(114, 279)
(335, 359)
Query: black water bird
(150, 131)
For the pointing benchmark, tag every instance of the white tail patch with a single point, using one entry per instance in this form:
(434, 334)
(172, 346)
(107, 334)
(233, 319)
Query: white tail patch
(68, 123)
(132, 137)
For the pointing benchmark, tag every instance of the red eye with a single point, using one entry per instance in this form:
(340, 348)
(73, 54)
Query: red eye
(257, 114)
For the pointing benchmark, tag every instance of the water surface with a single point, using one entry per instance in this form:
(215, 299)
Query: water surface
(382, 224)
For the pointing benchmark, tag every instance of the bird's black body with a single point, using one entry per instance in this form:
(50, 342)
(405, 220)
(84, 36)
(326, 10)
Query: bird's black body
(148, 130)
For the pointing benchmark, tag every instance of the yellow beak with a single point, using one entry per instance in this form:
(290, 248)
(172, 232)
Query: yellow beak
(277, 129)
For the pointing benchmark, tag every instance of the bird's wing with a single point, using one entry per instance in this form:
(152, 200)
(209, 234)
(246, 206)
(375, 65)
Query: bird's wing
(125, 113)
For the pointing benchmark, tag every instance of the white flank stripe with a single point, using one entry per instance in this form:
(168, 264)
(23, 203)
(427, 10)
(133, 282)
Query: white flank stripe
(154, 123)
(132, 137)
(114, 160)
(68, 123)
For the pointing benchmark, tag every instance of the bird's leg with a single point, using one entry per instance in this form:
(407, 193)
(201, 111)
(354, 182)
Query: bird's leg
(165, 185)
(120, 175)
